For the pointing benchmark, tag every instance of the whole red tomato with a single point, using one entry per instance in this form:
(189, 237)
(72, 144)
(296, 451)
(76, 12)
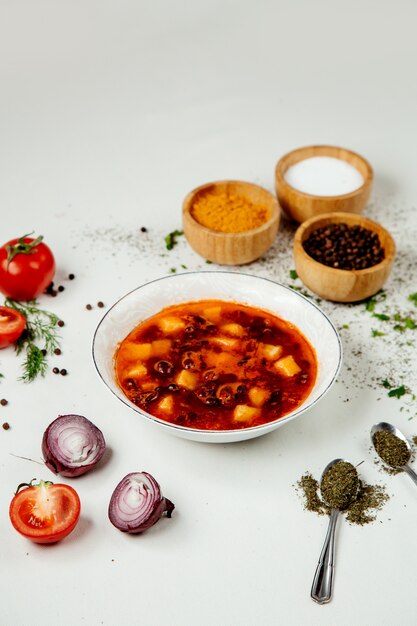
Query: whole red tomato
(12, 325)
(45, 513)
(27, 267)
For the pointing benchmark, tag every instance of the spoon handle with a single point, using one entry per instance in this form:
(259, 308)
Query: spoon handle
(321, 590)
(411, 473)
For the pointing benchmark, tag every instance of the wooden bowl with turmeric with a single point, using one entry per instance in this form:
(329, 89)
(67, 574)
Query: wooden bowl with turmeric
(230, 222)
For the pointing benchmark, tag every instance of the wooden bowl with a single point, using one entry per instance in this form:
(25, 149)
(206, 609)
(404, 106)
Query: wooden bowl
(231, 248)
(342, 285)
(301, 206)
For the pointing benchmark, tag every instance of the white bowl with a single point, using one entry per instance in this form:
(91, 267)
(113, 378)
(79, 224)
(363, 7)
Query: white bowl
(149, 299)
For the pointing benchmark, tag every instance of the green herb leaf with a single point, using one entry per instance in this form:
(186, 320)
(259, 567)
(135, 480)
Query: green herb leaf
(385, 383)
(171, 238)
(376, 333)
(370, 303)
(293, 275)
(381, 316)
(41, 328)
(397, 392)
(413, 298)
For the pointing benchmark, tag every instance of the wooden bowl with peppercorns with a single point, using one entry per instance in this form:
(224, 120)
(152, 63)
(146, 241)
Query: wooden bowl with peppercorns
(230, 222)
(342, 256)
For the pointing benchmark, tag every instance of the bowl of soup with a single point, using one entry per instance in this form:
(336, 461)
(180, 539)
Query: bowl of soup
(217, 356)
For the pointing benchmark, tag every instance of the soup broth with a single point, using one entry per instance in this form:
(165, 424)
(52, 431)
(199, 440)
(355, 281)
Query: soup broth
(216, 365)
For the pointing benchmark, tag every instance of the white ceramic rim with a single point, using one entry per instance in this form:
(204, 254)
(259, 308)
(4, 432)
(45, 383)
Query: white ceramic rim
(221, 433)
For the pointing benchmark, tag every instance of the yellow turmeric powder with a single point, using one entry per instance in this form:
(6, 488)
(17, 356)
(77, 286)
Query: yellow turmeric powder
(228, 213)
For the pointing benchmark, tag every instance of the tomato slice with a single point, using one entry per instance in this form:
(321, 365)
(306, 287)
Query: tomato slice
(12, 325)
(45, 512)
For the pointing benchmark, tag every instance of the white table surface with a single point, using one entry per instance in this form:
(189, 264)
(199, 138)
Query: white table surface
(110, 112)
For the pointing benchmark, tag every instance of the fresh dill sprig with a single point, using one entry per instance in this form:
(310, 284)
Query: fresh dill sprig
(39, 338)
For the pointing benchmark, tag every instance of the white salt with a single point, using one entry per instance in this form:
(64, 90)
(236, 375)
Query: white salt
(324, 176)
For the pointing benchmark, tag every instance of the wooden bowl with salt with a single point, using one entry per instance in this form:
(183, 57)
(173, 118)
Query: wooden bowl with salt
(342, 285)
(230, 222)
(300, 204)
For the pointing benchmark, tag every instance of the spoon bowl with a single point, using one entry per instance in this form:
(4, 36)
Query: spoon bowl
(322, 587)
(389, 428)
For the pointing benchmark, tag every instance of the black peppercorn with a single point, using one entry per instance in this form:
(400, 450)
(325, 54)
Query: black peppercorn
(57, 351)
(88, 307)
(63, 372)
(344, 247)
(61, 323)
(71, 276)
(4, 402)
(55, 370)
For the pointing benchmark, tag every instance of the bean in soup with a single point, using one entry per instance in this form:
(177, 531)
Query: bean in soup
(216, 365)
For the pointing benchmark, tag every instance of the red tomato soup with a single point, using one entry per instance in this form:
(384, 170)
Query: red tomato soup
(216, 365)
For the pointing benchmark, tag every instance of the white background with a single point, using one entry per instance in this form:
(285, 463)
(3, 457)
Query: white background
(110, 112)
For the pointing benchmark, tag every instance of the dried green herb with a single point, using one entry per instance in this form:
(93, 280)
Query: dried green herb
(171, 239)
(293, 275)
(397, 392)
(413, 298)
(381, 316)
(310, 489)
(376, 333)
(369, 500)
(392, 450)
(339, 485)
(41, 328)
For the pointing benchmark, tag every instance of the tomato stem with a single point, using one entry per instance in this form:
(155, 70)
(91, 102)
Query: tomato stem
(21, 247)
(41, 483)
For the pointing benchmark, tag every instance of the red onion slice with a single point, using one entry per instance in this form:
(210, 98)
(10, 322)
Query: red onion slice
(137, 503)
(72, 445)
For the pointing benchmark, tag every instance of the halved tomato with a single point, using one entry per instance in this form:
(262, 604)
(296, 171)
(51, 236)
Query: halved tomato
(12, 325)
(45, 512)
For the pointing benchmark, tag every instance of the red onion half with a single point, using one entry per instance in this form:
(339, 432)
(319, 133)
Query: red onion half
(137, 503)
(72, 445)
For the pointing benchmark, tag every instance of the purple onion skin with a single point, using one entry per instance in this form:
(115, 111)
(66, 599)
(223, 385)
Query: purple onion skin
(58, 465)
(160, 506)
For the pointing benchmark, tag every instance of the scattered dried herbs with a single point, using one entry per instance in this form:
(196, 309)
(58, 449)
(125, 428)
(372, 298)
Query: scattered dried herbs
(369, 500)
(392, 450)
(171, 239)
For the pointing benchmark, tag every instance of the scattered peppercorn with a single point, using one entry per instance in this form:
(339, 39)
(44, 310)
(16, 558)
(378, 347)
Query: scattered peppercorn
(56, 370)
(4, 402)
(61, 288)
(143, 229)
(100, 304)
(6, 426)
(345, 247)
(61, 323)
(88, 307)
(63, 372)
(71, 276)
(57, 351)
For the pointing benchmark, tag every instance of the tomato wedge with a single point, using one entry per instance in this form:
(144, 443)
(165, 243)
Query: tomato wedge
(45, 512)
(12, 325)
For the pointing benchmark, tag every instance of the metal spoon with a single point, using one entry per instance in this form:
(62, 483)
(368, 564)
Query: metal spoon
(389, 428)
(321, 590)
